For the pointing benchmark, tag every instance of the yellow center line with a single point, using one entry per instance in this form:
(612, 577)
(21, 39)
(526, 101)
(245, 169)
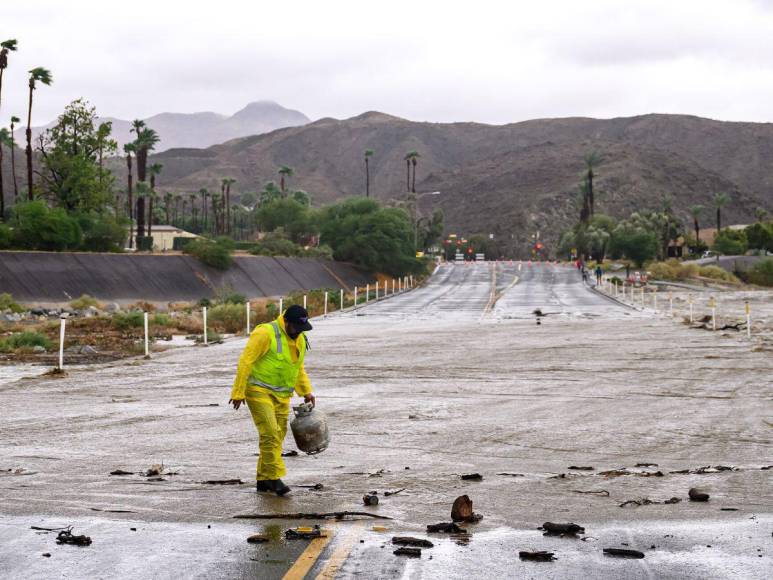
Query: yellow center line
(341, 553)
(309, 556)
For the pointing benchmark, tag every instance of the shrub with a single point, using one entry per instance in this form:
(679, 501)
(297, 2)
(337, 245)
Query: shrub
(6, 237)
(180, 243)
(127, 320)
(84, 302)
(103, 233)
(762, 272)
(731, 242)
(145, 244)
(8, 303)
(24, 339)
(227, 317)
(234, 298)
(717, 273)
(760, 236)
(216, 254)
(41, 228)
(272, 310)
(161, 320)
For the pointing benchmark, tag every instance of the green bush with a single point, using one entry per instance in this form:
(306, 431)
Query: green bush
(272, 310)
(234, 298)
(6, 237)
(227, 317)
(161, 320)
(42, 228)
(8, 303)
(127, 320)
(84, 302)
(216, 254)
(731, 242)
(762, 272)
(179, 243)
(103, 233)
(26, 339)
(145, 244)
(760, 236)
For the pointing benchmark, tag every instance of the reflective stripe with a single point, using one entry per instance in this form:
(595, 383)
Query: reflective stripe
(278, 338)
(257, 383)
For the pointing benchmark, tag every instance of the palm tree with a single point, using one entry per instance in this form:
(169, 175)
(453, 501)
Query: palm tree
(14, 120)
(591, 160)
(129, 148)
(368, 155)
(37, 75)
(154, 170)
(185, 202)
(5, 47)
(204, 193)
(228, 181)
(192, 197)
(695, 212)
(216, 199)
(720, 200)
(177, 199)
(145, 142)
(103, 133)
(411, 159)
(168, 197)
(284, 171)
(5, 140)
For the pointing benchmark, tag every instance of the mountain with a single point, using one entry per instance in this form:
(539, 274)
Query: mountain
(204, 129)
(509, 180)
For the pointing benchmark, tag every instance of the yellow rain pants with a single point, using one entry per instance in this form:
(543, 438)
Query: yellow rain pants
(269, 413)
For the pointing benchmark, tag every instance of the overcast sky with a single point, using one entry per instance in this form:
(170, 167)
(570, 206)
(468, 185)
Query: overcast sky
(489, 61)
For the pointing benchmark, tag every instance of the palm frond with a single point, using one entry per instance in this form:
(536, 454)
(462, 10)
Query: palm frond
(41, 75)
(11, 44)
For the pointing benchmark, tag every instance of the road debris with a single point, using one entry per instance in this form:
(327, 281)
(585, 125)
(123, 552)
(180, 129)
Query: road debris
(647, 501)
(624, 471)
(646, 465)
(304, 533)
(258, 539)
(445, 528)
(603, 492)
(315, 486)
(390, 493)
(697, 495)
(540, 556)
(569, 529)
(461, 511)
(223, 482)
(623, 553)
(311, 516)
(67, 537)
(121, 472)
(472, 477)
(511, 474)
(581, 467)
(370, 499)
(46, 555)
(706, 469)
(410, 552)
(155, 469)
(113, 511)
(410, 541)
(292, 453)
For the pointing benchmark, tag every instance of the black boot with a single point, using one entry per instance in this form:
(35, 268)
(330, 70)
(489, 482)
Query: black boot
(264, 485)
(279, 488)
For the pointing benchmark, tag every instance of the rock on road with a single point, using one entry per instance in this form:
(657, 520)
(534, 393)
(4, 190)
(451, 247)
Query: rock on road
(455, 377)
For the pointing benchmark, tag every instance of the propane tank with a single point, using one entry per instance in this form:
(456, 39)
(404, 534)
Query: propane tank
(309, 429)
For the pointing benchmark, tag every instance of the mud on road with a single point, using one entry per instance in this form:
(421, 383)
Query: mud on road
(419, 389)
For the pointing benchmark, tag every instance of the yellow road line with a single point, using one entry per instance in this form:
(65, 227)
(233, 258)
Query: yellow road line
(309, 556)
(341, 553)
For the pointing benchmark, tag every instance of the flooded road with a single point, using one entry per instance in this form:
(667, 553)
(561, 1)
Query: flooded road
(453, 378)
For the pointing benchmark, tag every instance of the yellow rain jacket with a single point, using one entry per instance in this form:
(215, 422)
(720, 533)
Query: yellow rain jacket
(269, 369)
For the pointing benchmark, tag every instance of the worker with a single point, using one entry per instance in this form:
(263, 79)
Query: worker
(599, 274)
(270, 369)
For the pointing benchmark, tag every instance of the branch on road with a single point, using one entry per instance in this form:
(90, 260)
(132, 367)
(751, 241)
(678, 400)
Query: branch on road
(310, 516)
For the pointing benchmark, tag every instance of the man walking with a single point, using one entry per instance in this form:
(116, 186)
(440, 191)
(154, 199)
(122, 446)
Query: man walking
(599, 274)
(270, 369)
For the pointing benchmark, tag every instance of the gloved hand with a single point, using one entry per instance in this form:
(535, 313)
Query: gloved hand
(310, 398)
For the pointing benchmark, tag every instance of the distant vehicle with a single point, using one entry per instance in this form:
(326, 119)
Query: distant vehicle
(709, 254)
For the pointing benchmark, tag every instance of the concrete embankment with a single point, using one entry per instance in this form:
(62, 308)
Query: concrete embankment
(54, 277)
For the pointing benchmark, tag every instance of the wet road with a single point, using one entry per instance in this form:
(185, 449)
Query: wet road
(452, 378)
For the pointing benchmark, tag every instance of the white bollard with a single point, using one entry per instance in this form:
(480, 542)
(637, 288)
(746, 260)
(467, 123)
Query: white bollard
(713, 306)
(324, 315)
(61, 343)
(367, 293)
(304, 302)
(204, 310)
(355, 297)
(748, 320)
(393, 286)
(689, 299)
(377, 285)
(399, 284)
(247, 313)
(670, 304)
(281, 302)
(342, 298)
(145, 322)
